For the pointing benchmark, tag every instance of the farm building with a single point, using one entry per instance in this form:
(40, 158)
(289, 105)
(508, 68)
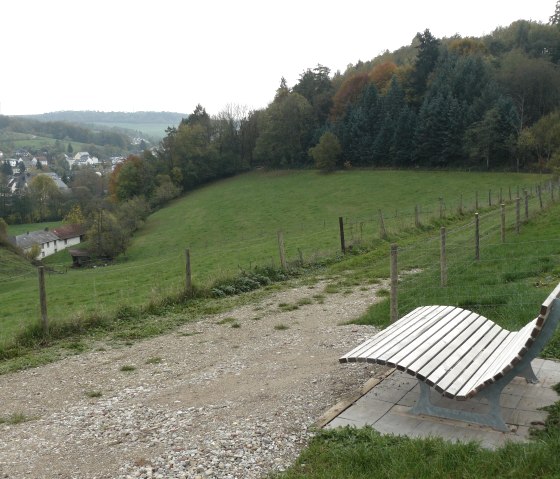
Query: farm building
(50, 242)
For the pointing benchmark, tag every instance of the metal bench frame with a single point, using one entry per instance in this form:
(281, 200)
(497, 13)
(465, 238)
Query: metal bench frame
(516, 362)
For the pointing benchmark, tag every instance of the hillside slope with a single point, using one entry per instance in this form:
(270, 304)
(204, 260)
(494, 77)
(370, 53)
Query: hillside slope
(12, 265)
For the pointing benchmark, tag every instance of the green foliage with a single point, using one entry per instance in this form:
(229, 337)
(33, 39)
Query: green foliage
(15, 418)
(74, 217)
(286, 128)
(45, 196)
(110, 227)
(326, 152)
(248, 281)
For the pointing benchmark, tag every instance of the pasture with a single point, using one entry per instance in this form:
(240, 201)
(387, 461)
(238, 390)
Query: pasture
(232, 225)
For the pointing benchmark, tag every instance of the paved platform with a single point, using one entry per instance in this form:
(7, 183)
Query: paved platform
(384, 404)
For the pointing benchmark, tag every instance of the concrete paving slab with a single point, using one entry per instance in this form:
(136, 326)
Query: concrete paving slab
(386, 407)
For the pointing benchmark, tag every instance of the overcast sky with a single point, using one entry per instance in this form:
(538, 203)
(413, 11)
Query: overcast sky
(170, 55)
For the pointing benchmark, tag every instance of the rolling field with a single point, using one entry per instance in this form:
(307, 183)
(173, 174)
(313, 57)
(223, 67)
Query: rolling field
(153, 130)
(233, 224)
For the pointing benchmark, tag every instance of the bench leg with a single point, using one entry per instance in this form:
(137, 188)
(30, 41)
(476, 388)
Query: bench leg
(529, 374)
(492, 418)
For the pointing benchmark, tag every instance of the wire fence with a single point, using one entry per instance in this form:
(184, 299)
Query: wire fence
(142, 279)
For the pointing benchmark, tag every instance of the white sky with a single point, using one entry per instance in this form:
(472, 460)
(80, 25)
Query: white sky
(169, 55)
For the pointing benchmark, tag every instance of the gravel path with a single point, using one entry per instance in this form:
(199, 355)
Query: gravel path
(230, 400)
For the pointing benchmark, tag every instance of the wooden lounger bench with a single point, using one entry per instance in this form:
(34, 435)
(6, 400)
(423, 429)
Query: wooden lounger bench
(460, 354)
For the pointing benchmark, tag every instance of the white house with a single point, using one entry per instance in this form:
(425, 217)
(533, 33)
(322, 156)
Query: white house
(83, 158)
(45, 239)
(69, 235)
(12, 162)
(40, 159)
(50, 242)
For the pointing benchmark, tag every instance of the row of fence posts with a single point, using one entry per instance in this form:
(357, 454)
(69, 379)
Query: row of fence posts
(383, 234)
(394, 250)
(443, 253)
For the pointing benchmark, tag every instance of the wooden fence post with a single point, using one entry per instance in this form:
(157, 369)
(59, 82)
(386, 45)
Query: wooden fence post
(282, 250)
(503, 207)
(394, 282)
(300, 253)
(43, 302)
(443, 260)
(476, 237)
(540, 196)
(341, 227)
(517, 214)
(188, 273)
(382, 230)
(416, 217)
(526, 205)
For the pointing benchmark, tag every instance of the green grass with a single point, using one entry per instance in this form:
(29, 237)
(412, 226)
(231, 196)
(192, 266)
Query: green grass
(15, 230)
(11, 139)
(507, 284)
(93, 394)
(228, 320)
(15, 418)
(154, 360)
(364, 453)
(231, 226)
(153, 130)
(127, 368)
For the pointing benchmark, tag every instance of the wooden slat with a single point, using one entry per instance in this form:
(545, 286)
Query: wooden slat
(424, 343)
(423, 367)
(398, 335)
(385, 349)
(401, 325)
(471, 336)
(471, 377)
(498, 364)
(505, 357)
(473, 347)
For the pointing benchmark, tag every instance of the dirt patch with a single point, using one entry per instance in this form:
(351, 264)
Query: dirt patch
(232, 395)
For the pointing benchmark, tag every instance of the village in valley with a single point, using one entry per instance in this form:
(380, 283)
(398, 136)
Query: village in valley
(21, 168)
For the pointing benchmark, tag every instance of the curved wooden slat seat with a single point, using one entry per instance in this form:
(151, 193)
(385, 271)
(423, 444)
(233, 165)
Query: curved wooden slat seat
(460, 354)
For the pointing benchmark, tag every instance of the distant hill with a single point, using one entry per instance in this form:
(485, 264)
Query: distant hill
(145, 123)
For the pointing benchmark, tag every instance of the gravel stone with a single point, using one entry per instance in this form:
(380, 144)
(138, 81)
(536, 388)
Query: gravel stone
(223, 403)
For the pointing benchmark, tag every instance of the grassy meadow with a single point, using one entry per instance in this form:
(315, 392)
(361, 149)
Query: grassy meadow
(232, 225)
(153, 130)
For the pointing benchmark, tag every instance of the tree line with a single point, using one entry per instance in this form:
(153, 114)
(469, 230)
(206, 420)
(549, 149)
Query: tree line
(63, 130)
(489, 103)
